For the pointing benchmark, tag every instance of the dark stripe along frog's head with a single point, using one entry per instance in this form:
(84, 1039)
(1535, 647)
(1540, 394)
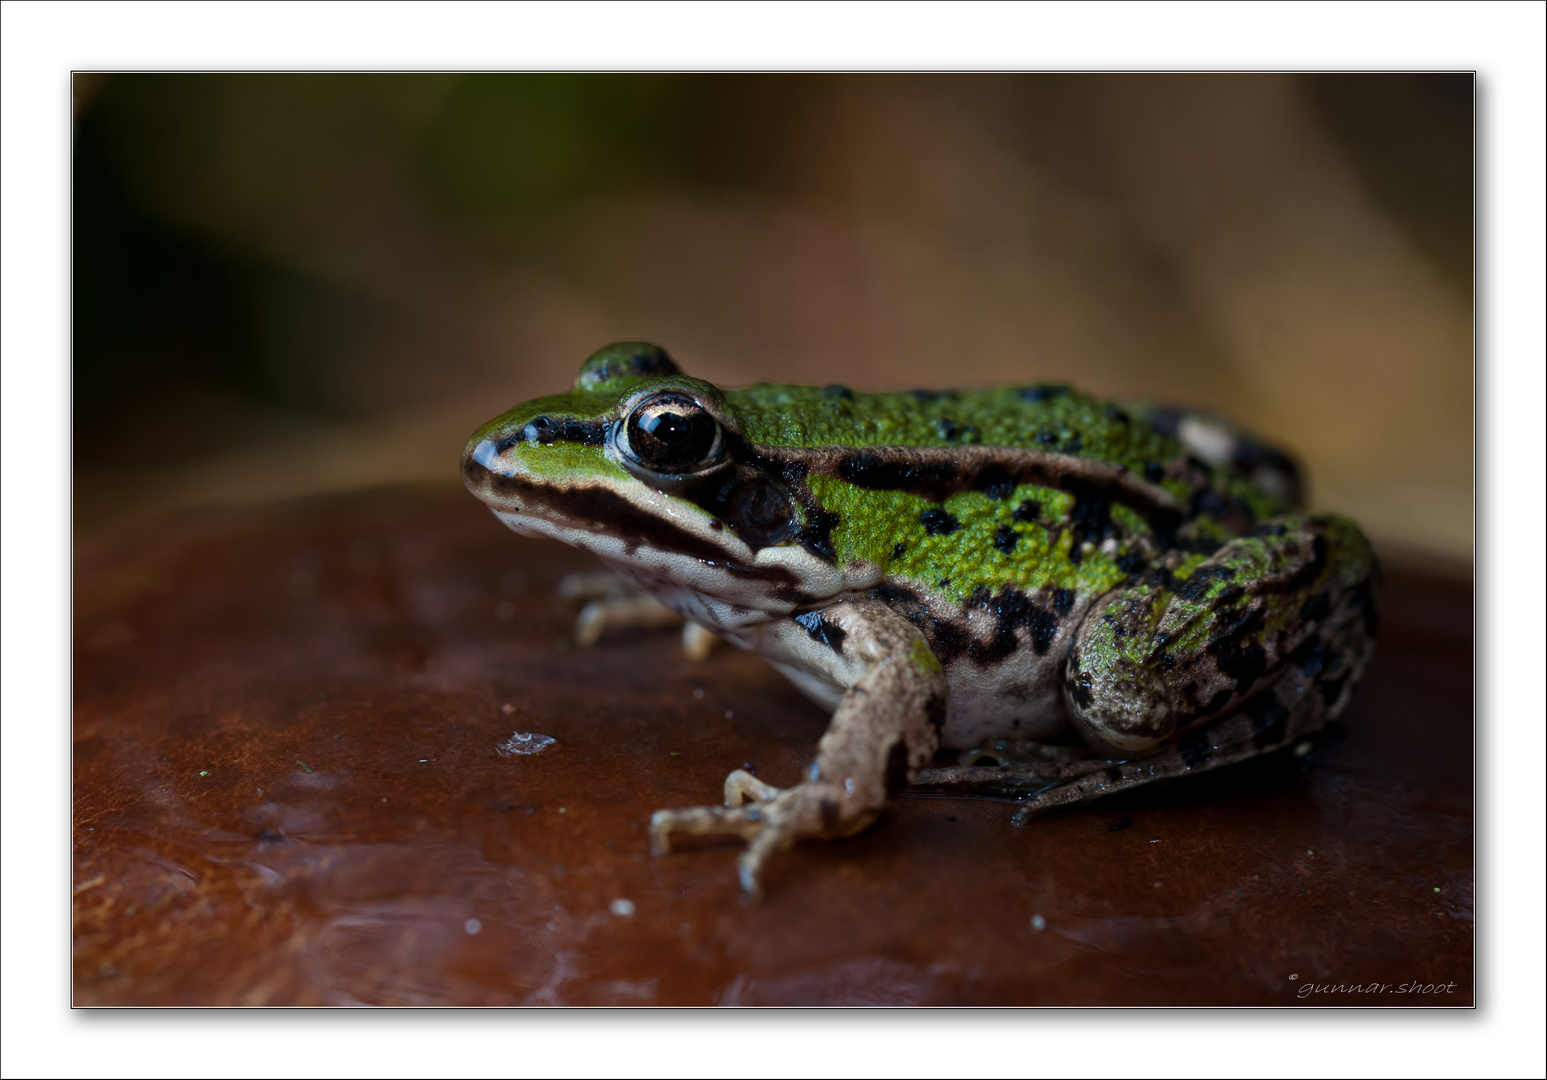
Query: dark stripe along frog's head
(648, 468)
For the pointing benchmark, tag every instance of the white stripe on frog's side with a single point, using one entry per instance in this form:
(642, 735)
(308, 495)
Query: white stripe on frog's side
(773, 582)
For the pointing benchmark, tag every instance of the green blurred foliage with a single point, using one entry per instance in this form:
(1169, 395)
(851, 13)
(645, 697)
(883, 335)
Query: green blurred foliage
(513, 144)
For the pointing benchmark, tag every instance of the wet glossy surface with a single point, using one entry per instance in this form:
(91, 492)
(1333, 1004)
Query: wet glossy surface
(290, 789)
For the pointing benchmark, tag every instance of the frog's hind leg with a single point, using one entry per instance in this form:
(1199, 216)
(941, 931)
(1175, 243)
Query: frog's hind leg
(1291, 710)
(1317, 672)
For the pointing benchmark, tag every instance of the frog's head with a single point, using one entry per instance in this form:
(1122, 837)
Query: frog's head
(647, 468)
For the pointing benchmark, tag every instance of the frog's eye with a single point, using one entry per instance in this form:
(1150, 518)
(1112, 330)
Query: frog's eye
(672, 433)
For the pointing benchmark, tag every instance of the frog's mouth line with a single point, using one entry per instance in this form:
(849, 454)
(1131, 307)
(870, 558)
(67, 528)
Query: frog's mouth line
(592, 508)
(575, 513)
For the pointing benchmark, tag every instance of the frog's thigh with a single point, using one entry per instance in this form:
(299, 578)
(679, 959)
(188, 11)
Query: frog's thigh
(1159, 656)
(1314, 687)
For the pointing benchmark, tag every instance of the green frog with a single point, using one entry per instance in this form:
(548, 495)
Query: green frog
(1079, 596)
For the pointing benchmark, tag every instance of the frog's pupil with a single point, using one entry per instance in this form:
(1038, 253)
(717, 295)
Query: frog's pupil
(671, 433)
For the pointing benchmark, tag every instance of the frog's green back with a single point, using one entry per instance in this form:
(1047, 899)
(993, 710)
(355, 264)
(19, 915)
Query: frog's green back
(1028, 539)
(1042, 417)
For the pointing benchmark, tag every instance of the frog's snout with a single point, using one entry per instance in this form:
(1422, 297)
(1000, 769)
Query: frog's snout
(485, 463)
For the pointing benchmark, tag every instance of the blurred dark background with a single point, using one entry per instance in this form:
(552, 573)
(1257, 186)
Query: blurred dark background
(297, 283)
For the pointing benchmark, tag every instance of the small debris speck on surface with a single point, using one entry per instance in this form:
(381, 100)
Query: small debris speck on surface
(623, 907)
(472, 926)
(1038, 922)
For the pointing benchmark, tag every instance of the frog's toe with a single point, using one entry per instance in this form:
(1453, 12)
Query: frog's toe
(631, 610)
(697, 641)
(743, 821)
(749, 866)
(742, 787)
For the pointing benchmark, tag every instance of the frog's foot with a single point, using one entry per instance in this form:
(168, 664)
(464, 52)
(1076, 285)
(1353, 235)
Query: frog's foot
(633, 610)
(771, 820)
(612, 603)
(885, 728)
(697, 641)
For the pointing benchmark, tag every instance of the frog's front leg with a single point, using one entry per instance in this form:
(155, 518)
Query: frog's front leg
(885, 728)
(1171, 652)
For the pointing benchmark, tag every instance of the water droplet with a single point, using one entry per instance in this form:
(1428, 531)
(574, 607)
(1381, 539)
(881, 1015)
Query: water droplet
(623, 907)
(1038, 922)
(472, 926)
(525, 743)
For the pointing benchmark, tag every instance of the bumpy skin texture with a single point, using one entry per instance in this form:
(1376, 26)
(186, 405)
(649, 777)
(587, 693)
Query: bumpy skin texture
(1161, 655)
(944, 568)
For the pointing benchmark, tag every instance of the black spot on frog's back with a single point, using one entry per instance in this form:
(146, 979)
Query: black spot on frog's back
(995, 481)
(938, 522)
(1090, 519)
(1042, 392)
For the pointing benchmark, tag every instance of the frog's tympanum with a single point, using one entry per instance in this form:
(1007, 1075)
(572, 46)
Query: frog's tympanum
(977, 570)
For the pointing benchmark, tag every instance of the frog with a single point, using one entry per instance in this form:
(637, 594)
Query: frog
(1075, 596)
